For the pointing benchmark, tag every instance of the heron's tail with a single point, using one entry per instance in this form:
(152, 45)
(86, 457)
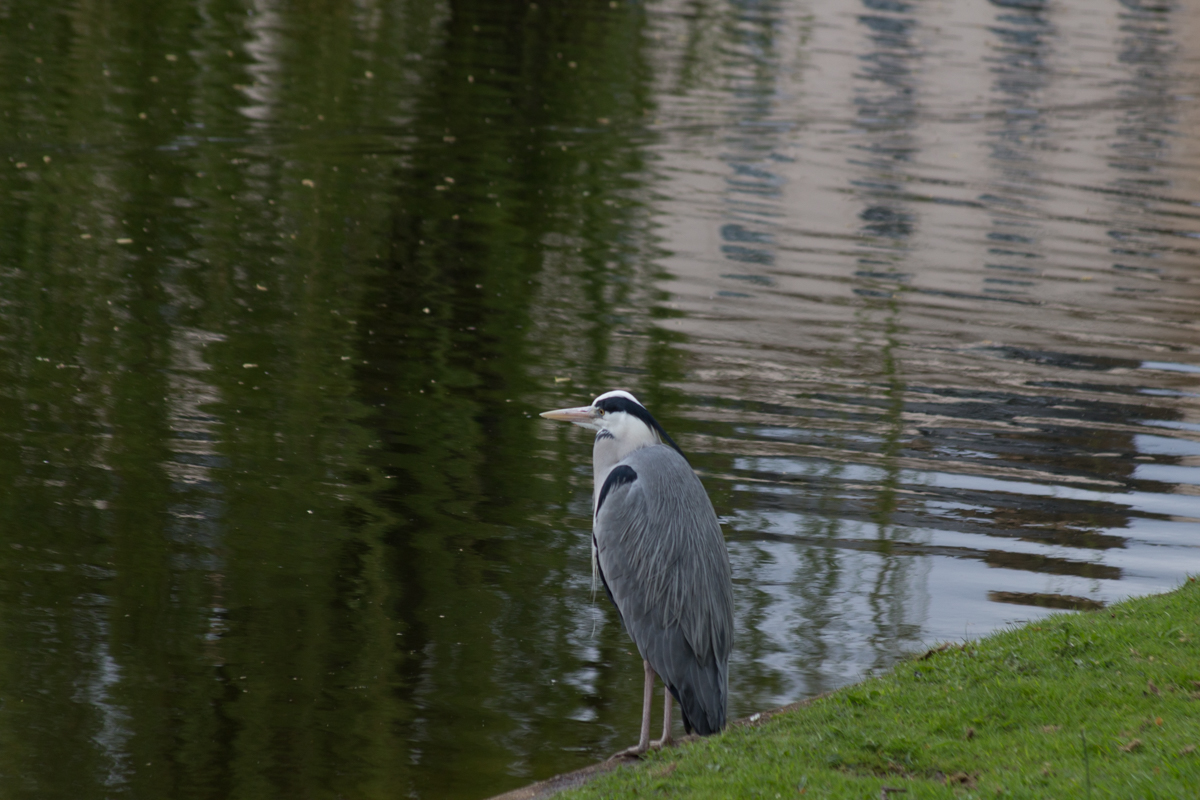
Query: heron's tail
(700, 685)
(702, 702)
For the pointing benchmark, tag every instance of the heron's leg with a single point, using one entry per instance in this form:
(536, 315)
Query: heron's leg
(647, 701)
(667, 706)
(647, 706)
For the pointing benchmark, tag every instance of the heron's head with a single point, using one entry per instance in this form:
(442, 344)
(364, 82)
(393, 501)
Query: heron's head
(617, 414)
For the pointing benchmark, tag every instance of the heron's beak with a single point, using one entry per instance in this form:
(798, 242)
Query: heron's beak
(582, 416)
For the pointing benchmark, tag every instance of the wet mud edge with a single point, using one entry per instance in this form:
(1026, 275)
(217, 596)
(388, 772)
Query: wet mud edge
(570, 780)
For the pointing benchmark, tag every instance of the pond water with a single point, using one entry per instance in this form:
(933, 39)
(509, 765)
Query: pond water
(915, 283)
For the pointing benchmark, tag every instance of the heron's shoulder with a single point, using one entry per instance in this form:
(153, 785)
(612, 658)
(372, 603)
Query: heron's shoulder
(659, 468)
(656, 456)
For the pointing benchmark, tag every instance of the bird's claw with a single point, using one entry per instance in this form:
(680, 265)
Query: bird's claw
(629, 752)
(637, 751)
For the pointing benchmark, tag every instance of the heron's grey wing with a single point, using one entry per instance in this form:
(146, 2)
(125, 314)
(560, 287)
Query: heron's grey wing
(664, 564)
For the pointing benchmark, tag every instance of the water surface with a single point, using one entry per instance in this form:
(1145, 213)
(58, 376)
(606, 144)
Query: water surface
(282, 287)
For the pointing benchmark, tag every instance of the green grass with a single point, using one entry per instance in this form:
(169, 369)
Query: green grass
(1005, 716)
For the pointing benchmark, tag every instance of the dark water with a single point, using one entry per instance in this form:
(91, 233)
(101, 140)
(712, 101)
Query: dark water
(283, 286)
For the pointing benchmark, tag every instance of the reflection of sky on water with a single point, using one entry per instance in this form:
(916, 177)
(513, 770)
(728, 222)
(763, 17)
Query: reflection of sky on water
(1168, 366)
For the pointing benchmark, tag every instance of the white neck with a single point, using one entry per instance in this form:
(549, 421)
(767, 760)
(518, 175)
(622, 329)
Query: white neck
(622, 435)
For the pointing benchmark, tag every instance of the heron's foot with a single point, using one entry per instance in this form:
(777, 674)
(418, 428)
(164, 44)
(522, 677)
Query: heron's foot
(637, 751)
(631, 752)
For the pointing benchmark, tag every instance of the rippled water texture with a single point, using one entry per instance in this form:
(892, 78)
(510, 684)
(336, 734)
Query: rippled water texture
(916, 283)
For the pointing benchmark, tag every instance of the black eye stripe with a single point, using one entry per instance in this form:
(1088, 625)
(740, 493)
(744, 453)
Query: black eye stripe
(623, 404)
(639, 411)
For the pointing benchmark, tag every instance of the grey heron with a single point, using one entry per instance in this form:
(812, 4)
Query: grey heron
(659, 552)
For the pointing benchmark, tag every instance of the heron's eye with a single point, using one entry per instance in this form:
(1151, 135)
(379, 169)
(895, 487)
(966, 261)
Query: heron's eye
(600, 412)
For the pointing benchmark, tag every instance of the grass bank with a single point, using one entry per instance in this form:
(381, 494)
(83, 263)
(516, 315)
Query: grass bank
(1100, 704)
